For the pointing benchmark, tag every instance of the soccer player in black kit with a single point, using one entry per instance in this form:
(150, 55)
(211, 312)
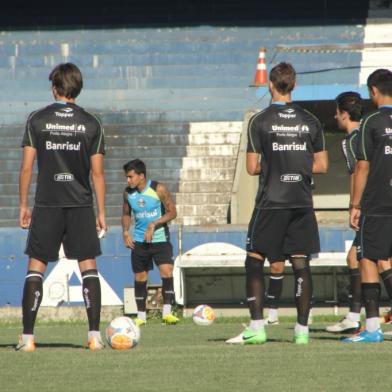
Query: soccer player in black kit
(285, 147)
(68, 143)
(371, 208)
(349, 110)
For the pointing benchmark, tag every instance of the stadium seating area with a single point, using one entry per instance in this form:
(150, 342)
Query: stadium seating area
(171, 96)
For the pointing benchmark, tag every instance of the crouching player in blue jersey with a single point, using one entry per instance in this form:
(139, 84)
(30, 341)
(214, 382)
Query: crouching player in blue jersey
(152, 207)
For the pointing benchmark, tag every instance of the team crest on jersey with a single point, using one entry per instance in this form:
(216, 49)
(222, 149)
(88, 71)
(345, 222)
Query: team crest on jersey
(141, 202)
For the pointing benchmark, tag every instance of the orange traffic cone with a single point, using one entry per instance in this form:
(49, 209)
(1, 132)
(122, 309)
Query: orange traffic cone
(261, 70)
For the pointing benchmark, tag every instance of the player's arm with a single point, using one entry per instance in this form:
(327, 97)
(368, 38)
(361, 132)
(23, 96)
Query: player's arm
(170, 212)
(98, 177)
(360, 180)
(126, 219)
(253, 149)
(320, 162)
(253, 166)
(25, 175)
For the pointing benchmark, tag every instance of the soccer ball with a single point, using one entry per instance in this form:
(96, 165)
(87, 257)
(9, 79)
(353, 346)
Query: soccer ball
(203, 315)
(122, 333)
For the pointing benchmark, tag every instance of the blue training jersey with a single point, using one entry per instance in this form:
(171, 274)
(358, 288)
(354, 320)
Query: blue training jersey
(147, 207)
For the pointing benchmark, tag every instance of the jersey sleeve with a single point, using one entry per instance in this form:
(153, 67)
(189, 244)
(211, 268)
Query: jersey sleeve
(98, 142)
(319, 139)
(349, 148)
(254, 142)
(29, 137)
(365, 145)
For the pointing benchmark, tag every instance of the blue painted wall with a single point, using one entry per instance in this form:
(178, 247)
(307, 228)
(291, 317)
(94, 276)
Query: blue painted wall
(114, 264)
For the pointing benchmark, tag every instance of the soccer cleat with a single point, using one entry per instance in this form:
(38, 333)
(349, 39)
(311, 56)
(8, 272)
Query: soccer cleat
(95, 343)
(27, 345)
(344, 325)
(170, 319)
(139, 322)
(249, 336)
(301, 338)
(386, 318)
(366, 337)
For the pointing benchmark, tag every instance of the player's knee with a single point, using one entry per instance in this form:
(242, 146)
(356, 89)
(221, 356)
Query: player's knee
(299, 262)
(166, 270)
(277, 267)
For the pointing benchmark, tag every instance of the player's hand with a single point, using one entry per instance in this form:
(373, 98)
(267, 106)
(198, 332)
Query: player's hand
(128, 240)
(149, 233)
(101, 223)
(355, 214)
(24, 217)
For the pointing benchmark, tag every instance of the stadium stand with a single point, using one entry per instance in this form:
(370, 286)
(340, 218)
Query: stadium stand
(171, 96)
(171, 84)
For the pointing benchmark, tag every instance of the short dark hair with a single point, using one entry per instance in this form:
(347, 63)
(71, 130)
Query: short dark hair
(136, 165)
(350, 102)
(67, 79)
(283, 77)
(382, 79)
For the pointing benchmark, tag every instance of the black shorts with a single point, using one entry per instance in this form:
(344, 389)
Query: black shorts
(356, 240)
(143, 255)
(375, 237)
(277, 234)
(74, 227)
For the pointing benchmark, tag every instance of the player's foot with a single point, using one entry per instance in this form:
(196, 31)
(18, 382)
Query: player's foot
(386, 318)
(249, 336)
(301, 338)
(95, 343)
(139, 322)
(344, 325)
(170, 319)
(366, 337)
(272, 321)
(25, 344)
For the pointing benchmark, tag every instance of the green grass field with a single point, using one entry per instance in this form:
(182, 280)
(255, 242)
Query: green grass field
(187, 357)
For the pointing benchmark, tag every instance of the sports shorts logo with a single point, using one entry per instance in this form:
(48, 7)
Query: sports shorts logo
(291, 178)
(63, 177)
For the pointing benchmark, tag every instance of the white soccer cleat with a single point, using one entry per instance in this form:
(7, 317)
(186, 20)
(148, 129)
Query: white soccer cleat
(239, 339)
(344, 325)
(25, 344)
(95, 343)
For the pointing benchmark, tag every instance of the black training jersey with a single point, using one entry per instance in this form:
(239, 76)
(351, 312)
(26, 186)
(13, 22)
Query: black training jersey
(65, 137)
(375, 146)
(286, 136)
(349, 148)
